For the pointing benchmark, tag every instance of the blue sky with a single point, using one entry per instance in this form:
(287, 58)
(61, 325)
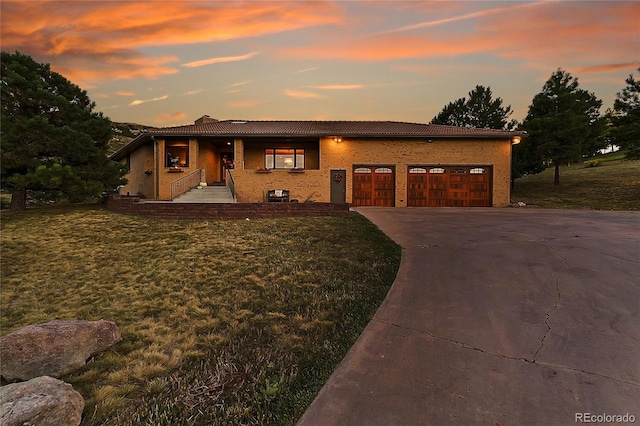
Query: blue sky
(167, 63)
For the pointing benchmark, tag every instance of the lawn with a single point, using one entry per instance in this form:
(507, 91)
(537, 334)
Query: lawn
(613, 185)
(223, 322)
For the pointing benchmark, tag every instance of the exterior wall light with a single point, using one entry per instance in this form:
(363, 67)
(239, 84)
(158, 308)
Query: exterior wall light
(516, 140)
(337, 138)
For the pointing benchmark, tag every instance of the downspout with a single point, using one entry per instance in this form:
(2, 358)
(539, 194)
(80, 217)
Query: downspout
(156, 155)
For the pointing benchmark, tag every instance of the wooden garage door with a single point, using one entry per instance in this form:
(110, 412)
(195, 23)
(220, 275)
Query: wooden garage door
(449, 186)
(374, 186)
(417, 187)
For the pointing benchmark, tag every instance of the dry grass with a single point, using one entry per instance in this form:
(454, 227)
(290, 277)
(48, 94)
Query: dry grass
(228, 322)
(613, 185)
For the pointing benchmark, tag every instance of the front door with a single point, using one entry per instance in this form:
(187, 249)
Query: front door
(338, 186)
(226, 162)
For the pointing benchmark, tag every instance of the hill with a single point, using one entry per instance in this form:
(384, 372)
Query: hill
(614, 184)
(124, 133)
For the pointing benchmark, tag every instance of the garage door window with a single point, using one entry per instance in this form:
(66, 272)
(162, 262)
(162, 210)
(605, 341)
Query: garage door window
(477, 171)
(384, 170)
(362, 170)
(436, 170)
(417, 170)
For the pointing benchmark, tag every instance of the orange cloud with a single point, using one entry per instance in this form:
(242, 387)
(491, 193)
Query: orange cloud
(163, 118)
(299, 94)
(566, 32)
(463, 17)
(608, 67)
(381, 48)
(219, 60)
(124, 93)
(87, 69)
(241, 83)
(245, 103)
(72, 35)
(305, 70)
(144, 101)
(545, 33)
(338, 87)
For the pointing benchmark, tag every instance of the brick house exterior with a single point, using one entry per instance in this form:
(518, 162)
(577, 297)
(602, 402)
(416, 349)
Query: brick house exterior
(378, 163)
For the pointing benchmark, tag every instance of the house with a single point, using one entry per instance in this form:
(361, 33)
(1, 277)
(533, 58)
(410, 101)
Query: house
(364, 163)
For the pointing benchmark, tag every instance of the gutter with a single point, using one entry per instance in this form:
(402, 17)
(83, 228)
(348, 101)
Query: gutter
(506, 134)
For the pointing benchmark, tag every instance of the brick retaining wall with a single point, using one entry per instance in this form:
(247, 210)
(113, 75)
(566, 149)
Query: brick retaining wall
(133, 205)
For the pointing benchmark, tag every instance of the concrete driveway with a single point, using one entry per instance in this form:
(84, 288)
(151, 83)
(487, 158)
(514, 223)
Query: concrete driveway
(497, 317)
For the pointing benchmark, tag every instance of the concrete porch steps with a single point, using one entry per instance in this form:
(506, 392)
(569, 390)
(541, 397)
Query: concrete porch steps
(208, 194)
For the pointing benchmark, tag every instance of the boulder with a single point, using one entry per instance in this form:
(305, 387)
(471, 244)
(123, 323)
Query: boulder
(54, 348)
(41, 401)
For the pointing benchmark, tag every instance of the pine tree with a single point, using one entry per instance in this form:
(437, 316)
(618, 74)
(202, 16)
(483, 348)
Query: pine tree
(51, 138)
(480, 110)
(562, 119)
(626, 118)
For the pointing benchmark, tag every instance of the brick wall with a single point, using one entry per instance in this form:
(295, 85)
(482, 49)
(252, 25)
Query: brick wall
(315, 184)
(132, 205)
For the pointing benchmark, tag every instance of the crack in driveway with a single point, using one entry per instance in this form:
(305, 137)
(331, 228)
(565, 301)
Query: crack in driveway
(557, 302)
(511, 358)
(533, 360)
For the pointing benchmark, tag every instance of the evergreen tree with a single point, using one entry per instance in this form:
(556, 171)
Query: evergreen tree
(625, 119)
(480, 110)
(51, 139)
(453, 114)
(562, 120)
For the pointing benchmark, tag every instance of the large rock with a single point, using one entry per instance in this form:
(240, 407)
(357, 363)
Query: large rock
(54, 348)
(42, 401)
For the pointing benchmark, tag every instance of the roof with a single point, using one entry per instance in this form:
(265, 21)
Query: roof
(353, 129)
(324, 128)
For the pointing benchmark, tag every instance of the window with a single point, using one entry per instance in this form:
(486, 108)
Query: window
(362, 170)
(477, 171)
(417, 170)
(384, 170)
(436, 170)
(177, 154)
(284, 158)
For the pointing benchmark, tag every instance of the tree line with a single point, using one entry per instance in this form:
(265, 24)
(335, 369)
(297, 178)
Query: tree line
(563, 124)
(54, 145)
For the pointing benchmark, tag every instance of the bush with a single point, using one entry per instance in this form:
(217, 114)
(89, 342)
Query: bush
(591, 163)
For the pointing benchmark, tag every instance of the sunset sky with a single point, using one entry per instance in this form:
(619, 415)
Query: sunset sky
(165, 63)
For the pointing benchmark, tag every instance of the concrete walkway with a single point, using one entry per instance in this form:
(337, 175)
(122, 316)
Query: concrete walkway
(497, 317)
(208, 194)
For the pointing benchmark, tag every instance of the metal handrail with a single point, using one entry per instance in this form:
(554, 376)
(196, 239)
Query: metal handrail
(185, 183)
(231, 184)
